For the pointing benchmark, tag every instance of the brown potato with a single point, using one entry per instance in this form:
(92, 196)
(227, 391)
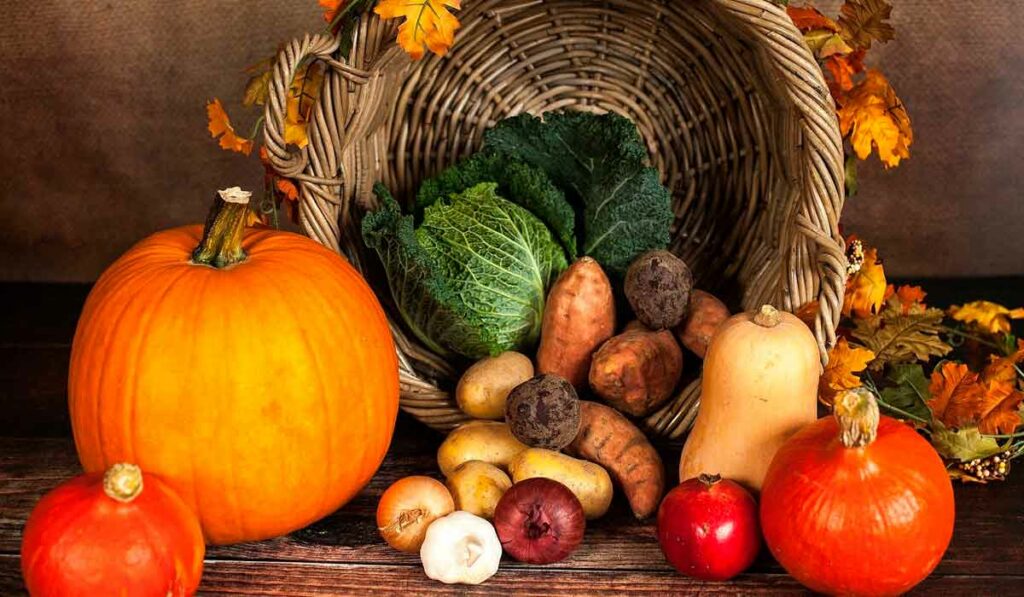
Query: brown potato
(483, 388)
(578, 317)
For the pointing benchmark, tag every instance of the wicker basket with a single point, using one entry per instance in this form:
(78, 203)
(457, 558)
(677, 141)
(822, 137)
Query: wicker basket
(731, 103)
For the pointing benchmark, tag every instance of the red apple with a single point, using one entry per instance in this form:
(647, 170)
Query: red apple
(708, 528)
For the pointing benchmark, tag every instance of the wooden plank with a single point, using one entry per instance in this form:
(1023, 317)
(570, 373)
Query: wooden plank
(989, 537)
(297, 579)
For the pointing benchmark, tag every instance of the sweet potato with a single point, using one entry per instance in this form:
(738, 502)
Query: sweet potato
(637, 370)
(578, 317)
(611, 440)
(706, 314)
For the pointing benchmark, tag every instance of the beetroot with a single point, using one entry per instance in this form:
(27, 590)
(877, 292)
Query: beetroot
(539, 521)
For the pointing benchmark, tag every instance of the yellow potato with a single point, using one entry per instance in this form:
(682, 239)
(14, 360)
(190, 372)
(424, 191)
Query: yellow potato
(477, 486)
(488, 441)
(588, 481)
(484, 386)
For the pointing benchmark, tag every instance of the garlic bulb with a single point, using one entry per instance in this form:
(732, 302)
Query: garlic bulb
(460, 548)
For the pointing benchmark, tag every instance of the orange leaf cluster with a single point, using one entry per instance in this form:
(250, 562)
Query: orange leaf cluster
(865, 287)
(844, 361)
(429, 25)
(871, 116)
(962, 398)
(987, 316)
(874, 118)
(219, 125)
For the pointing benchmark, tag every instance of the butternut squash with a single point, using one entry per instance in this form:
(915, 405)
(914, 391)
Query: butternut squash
(759, 387)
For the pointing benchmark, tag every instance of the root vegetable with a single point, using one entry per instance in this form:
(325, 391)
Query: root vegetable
(477, 486)
(488, 441)
(544, 412)
(578, 317)
(539, 521)
(611, 440)
(706, 314)
(484, 386)
(461, 548)
(408, 507)
(637, 370)
(658, 287)
(589, 482)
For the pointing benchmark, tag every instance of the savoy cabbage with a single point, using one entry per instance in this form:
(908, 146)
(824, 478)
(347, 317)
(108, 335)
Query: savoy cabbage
(471, 279)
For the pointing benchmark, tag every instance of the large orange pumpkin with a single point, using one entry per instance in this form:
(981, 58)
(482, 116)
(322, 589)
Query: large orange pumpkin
(257, 376)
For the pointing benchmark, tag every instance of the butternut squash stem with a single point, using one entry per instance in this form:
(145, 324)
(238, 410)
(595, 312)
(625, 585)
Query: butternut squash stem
(856, 411)
(767, 316)
(225, 226)
(123, 482)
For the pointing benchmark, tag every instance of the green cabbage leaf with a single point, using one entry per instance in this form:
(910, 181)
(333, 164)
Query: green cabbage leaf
(471, 279)
(600, 162)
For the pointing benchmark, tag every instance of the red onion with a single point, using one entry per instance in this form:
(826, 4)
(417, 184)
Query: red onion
(539, 521)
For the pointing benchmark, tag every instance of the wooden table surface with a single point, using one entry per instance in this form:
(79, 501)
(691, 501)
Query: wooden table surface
(342, 554)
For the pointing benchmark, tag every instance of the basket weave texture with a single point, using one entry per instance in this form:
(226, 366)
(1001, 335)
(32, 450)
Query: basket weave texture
(732, 105)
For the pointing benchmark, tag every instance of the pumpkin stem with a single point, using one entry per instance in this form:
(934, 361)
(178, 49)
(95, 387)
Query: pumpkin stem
(225, 225)
(123, 482)
(767, 317)
(856, 411)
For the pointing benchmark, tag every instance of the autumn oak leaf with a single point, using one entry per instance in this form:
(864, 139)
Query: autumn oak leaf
(955, 392)
(987, 316)
(862, 22)
(1004, 369)
(219, 125)
(873, 117)
(429, 24)
(905, 300)
(902, 338)
(844, 362)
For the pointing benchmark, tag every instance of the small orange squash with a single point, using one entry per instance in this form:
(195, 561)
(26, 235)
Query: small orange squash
(253, 370)
(112, 534)
(760, 386)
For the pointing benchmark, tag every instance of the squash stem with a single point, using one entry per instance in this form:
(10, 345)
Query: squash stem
(767, 316)
(123, 482)
(856, 411)
(225, 226)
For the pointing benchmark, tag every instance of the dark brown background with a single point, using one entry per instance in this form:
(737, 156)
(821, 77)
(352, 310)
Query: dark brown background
(103, 134)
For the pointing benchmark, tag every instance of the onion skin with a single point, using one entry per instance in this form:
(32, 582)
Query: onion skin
(408, 507)
(871, 520)
(539, 521)
(708, 528)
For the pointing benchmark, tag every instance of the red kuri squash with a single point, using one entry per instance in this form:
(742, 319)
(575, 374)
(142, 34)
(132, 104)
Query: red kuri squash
(253, 370)
(112, 534)
(857, 504)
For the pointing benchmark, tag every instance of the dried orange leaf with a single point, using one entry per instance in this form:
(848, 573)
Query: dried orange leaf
(844, 361)
(429, 25)
(331, 8)
(1003, 369)
(807, 18)
(986, 316)
(955, 391)
(842, 69)
(906, 299)
(865, 288)
(808, 313)
(865, 21)
(873, 117)
(287, 188)
(219, 125)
